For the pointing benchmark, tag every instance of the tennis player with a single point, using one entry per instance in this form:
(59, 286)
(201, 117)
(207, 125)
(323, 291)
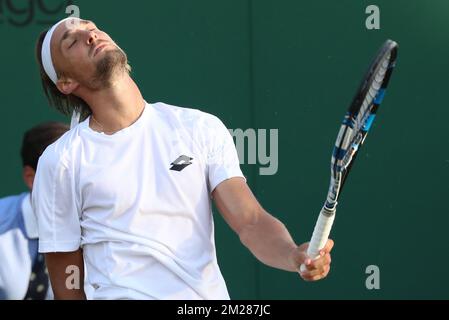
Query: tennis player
(128, 191)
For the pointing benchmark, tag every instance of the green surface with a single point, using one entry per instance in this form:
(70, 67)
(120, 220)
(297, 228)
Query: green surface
(294, 66)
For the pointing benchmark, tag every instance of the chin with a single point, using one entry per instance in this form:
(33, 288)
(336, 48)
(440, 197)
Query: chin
(111, 63)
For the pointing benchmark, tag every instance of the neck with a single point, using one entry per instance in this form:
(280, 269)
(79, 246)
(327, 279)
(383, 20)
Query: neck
(116, 107)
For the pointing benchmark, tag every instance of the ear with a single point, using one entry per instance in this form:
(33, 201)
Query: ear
(28, 176)
(67, 85)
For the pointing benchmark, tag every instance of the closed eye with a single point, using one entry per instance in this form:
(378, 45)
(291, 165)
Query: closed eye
(73, 43)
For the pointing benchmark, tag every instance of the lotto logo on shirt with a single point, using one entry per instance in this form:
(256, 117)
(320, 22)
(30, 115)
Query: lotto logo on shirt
(22, 13)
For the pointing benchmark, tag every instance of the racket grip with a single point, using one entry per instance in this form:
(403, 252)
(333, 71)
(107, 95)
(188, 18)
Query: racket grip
(320, 235)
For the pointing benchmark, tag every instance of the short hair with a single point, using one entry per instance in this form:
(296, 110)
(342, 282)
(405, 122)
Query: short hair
(37, 139)
(65, 104)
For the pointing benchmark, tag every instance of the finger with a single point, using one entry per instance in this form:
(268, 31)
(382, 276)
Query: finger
(308, 263)
(311, 274)
(300, 258)
(309, 278)
(329, 245)
(306, 276)
(318, 266)
(320, 262)
(315, 275)
(311, 266)
(327, 269)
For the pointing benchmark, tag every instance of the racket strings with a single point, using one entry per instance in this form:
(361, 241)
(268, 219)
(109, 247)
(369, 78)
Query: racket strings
(352, 135)
(366, 110)
(356, 125)
(334, 190)
(373, 91)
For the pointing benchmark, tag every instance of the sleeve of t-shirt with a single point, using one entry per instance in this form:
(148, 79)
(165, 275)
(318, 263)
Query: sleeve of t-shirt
(54, 203)
(222, 158)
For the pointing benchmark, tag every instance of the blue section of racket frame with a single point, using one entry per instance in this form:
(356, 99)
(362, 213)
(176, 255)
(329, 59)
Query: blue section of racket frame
(369, 122)
(348, 121)
(339, 153)
(380, 96)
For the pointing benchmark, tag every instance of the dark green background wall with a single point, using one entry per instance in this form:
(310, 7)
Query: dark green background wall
(291, 65)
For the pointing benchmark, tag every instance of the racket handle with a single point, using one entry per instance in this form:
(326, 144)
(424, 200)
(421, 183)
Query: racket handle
(320, 235)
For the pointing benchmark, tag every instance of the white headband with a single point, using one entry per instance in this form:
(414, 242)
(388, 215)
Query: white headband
(47, 61)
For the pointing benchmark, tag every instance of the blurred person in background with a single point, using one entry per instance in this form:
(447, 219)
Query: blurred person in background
(23, 274)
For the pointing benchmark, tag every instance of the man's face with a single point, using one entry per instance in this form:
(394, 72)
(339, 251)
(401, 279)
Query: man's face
(88, 55)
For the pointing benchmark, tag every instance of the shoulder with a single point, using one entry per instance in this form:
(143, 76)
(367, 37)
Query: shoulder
(188, 117)
(60, 152)
(9, 207)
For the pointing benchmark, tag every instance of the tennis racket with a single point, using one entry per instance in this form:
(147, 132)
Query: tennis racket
(356, 124)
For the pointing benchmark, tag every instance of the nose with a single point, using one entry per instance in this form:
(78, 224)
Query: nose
(92, 37)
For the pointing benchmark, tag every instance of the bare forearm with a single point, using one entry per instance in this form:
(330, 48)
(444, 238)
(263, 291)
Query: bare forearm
(69, 294)
(269, 241)
(66, 272)
(265, 236)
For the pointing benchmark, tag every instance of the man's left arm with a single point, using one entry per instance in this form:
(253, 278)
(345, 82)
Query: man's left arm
(265, 236)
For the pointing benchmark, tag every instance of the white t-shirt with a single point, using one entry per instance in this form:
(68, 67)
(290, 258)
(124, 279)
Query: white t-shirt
(138, 203)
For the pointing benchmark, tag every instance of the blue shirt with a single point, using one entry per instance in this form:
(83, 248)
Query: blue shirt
(18, 245)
